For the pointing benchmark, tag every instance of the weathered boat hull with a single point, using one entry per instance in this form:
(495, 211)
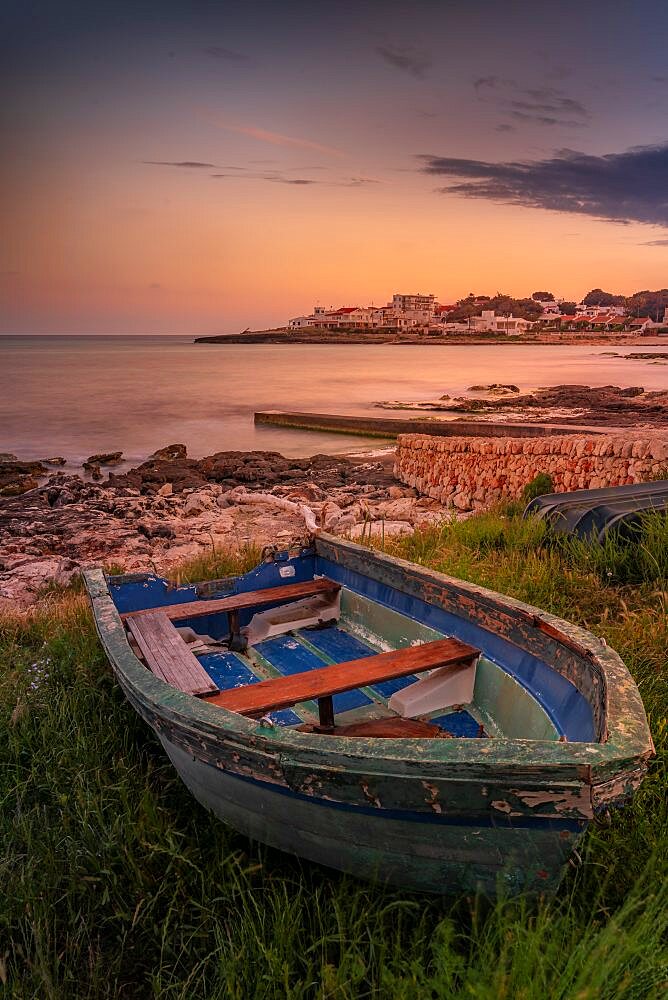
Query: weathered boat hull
(447, 816)
(411, 850)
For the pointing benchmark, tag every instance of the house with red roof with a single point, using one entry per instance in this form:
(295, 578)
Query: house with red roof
(642, 323)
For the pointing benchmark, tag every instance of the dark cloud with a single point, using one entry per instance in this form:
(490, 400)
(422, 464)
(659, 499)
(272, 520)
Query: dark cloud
(535, 105)
(190, 164)
(655, 243)
(223, 54)
(410, 60)
(155, 284)
(621, 187)
(504, 127)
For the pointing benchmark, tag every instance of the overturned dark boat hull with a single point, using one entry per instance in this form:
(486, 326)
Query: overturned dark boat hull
(594, 514)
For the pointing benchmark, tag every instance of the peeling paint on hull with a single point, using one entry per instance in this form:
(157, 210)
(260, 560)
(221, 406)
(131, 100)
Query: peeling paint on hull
(448, 857)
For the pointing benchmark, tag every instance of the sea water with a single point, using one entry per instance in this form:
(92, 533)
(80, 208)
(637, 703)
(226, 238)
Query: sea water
(74, 396)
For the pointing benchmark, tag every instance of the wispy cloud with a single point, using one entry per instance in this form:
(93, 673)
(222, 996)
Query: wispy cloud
(536, 105)
(359, 182)
(283, 177)
(621, 187)
(271, 177)
(188, 164)
(655, 243)
(483, 84)
(406, 58)
(278, 139)
(224, 55)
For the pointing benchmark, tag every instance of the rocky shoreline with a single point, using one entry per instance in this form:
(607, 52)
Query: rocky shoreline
(172, 508)
(629, 406)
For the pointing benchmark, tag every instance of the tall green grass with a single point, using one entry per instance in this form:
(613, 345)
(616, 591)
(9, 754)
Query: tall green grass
(117, 884)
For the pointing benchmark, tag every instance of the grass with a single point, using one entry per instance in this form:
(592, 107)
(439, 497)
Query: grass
(116, 884)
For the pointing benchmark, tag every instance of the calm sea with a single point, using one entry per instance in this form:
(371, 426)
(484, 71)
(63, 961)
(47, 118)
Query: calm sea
(73, 396)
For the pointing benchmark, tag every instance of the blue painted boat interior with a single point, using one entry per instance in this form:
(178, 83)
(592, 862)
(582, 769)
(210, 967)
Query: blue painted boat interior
(566, 707)
(228, 670)
(292, 654)
(567, 713)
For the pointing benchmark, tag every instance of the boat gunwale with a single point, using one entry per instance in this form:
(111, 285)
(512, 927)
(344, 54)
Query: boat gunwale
(627, 747)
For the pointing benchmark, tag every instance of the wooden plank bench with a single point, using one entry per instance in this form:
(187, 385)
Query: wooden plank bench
(167, 655)
(239, 602)
(256, 700)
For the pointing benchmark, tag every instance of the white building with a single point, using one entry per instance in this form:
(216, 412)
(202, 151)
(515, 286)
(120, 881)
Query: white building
(583, 310)
(499, 324)
(403, 312)
(551, 308)
(414, 303)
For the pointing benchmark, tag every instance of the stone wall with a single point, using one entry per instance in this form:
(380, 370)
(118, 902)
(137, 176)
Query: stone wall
(471, 473)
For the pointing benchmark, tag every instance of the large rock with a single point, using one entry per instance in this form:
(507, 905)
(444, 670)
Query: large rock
(104, 458)
(497, 388)
(19, 477)
(32, 575)
(196, 503)
(170, 453)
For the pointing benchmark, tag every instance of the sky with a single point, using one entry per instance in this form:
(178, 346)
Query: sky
(207, 167)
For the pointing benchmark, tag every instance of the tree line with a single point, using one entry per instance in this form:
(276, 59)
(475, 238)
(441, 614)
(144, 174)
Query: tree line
(645, 303)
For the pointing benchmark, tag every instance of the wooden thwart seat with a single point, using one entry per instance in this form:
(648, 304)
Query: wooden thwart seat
(256, 700)
(239, 602)
(167, 655)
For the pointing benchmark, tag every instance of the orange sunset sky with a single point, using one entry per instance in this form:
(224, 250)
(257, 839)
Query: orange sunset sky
(199, 168)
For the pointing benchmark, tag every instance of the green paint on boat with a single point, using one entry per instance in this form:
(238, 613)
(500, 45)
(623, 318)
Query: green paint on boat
(440, 815)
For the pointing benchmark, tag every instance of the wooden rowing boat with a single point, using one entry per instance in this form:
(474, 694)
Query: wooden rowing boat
(379, 718)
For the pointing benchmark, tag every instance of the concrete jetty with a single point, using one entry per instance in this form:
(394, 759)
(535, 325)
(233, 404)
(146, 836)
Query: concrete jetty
(391, 427)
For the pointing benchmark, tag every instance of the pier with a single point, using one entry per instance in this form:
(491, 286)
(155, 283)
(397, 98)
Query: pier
(391, 427)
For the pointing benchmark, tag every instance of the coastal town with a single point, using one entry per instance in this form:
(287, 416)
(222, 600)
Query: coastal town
(598, 312)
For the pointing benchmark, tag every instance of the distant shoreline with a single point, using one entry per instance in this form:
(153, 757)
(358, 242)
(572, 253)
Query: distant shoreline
(293, 337)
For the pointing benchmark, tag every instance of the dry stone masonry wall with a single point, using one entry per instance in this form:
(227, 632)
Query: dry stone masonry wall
(472, 473)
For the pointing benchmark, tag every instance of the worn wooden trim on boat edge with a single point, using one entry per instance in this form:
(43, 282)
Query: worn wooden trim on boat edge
(496, 780)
